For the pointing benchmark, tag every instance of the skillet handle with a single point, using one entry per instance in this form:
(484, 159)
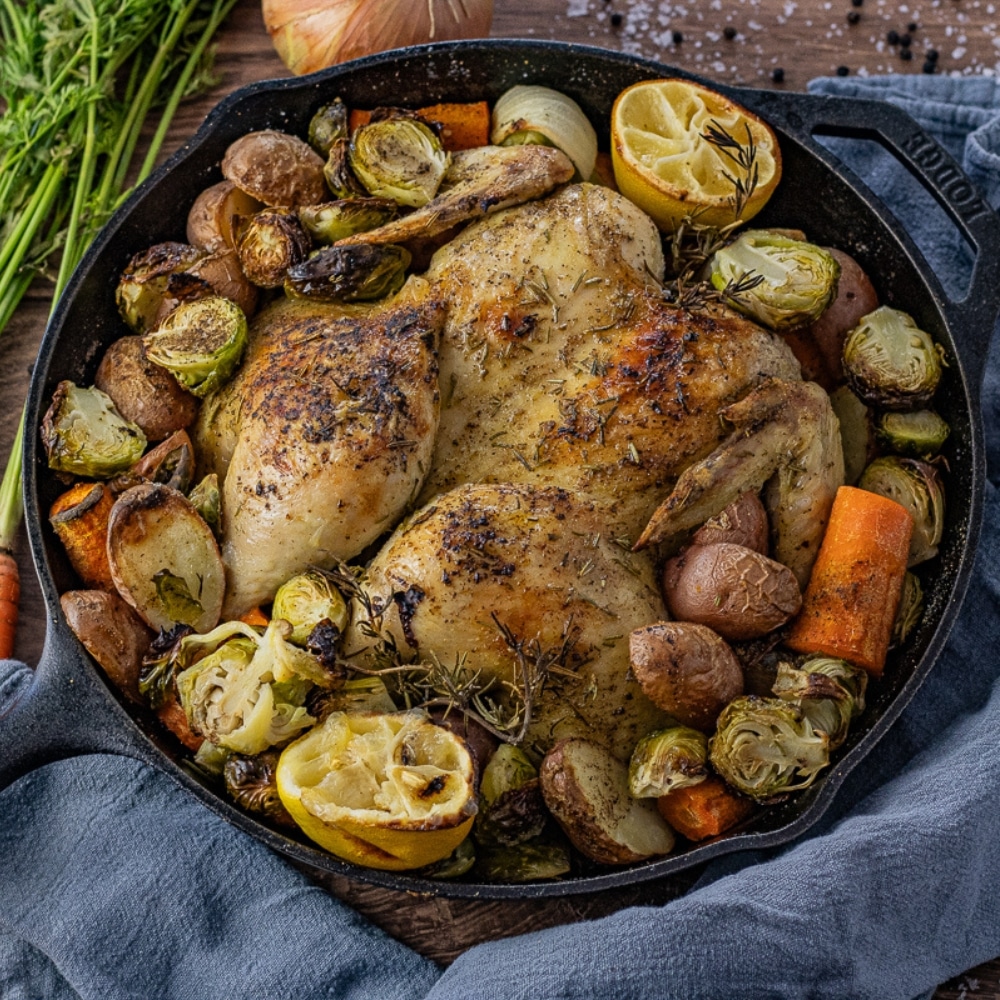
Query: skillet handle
(900, 136)
(64, 712)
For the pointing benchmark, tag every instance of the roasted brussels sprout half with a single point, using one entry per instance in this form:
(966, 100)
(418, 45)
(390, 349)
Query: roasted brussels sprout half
(269, 243)
(146, 282)
(359, 694)
(535, 860)
(306, 600)
(251, 784)
(328, 125)
(911, 607)
(336, 220)
(779, 281)
(764, 747)
(460, 862)
(917, 486)
(358, 273)
(915, 433)
(829, 692)
(890, 362)
(210, 759)
(671, 758)
(511, 808)
(248, 693)
(207, 500)
(84, 435)
(399, 158)
(339, 176)
(200, 343)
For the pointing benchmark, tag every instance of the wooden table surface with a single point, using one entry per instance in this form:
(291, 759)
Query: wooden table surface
(803, 39)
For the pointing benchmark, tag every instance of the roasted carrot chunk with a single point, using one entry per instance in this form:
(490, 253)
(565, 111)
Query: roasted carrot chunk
(704, 810)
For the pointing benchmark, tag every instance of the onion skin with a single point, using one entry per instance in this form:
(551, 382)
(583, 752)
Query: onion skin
(312, 34)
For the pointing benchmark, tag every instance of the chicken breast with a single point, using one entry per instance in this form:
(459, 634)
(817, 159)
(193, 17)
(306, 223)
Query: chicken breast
(523, 585)
(325, 437)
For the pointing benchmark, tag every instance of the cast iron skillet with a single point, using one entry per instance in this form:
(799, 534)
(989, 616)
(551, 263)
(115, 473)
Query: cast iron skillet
(70, 709)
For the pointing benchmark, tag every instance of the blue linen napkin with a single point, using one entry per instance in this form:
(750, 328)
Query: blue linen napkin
(114, 883)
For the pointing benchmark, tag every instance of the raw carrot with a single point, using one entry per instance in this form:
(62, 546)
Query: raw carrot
(463, 126)
(704, 810)
(10, 596)
(853, 594)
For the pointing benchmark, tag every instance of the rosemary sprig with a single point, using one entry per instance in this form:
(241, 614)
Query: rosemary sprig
(743, 155)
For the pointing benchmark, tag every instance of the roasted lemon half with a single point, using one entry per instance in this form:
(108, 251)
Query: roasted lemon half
(386, 790)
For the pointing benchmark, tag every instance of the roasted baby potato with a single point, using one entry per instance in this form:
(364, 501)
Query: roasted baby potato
(743, 522)
(686, 669)
(143, 392)
(223, 274)
(276, 168)
(214, 217)
(735, 591)
(171, 463)
(164, 559)
(586, 789)
(112, 633)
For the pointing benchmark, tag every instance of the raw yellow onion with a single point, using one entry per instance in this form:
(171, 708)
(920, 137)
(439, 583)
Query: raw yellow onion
(312, 34)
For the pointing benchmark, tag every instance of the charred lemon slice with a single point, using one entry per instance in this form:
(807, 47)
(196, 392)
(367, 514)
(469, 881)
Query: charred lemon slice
(680, 149)
(385, 790)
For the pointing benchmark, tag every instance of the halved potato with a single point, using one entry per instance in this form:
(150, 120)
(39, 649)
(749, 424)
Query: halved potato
(164, 559)
(586, 789)
(112, 633)
(215, 215)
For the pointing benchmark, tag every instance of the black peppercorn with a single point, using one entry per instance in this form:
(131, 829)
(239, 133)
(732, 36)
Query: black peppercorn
(729, 31)
(932, 55)
(857, 3)
(616, 20)
(677, 38)
(778, 74)
(842, 71)
(906, 54)
(912, 26)
(893, 37)
(853, 17)
(929, 66)
(905, 41)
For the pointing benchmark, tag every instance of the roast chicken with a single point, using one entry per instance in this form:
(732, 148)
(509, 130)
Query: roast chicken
(529, 402)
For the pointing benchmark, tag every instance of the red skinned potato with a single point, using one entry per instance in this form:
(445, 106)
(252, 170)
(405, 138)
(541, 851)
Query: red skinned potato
(686, 669)
(142, 392)
(276, 168)
(585, 787)
(743, 522)
(856, 297)
(214, 217)
(112, 633)
(735, 591)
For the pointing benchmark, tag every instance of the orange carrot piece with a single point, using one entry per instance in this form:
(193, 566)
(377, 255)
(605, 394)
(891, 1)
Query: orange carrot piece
(463, 126)
(704, 810)
(851, 599)
(254, 617)
(10, 597)
(79, 518)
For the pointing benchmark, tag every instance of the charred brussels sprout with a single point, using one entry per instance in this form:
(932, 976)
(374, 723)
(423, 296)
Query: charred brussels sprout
(200, 343)
(779, 281)
(328, 125)
(269, 243)
(890, 362)
(305, 601)
(512, 810)
(360, 694)
(206, 499)
(671, 758)
(336, 220)
(84, 434)
(146, 282)
(399, 158)
(538, 859)
(339, 176)
(916, 434)
(358, 273)
(911, 607)
(917, 486)
(765, 746)
(828, 691)
(251, 784)
(460, 862)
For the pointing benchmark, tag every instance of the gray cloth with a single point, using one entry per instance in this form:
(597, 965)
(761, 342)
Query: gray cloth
(114, 883)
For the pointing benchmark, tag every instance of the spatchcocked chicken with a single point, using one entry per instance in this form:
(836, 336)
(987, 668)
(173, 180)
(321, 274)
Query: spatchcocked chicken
(529, 402)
